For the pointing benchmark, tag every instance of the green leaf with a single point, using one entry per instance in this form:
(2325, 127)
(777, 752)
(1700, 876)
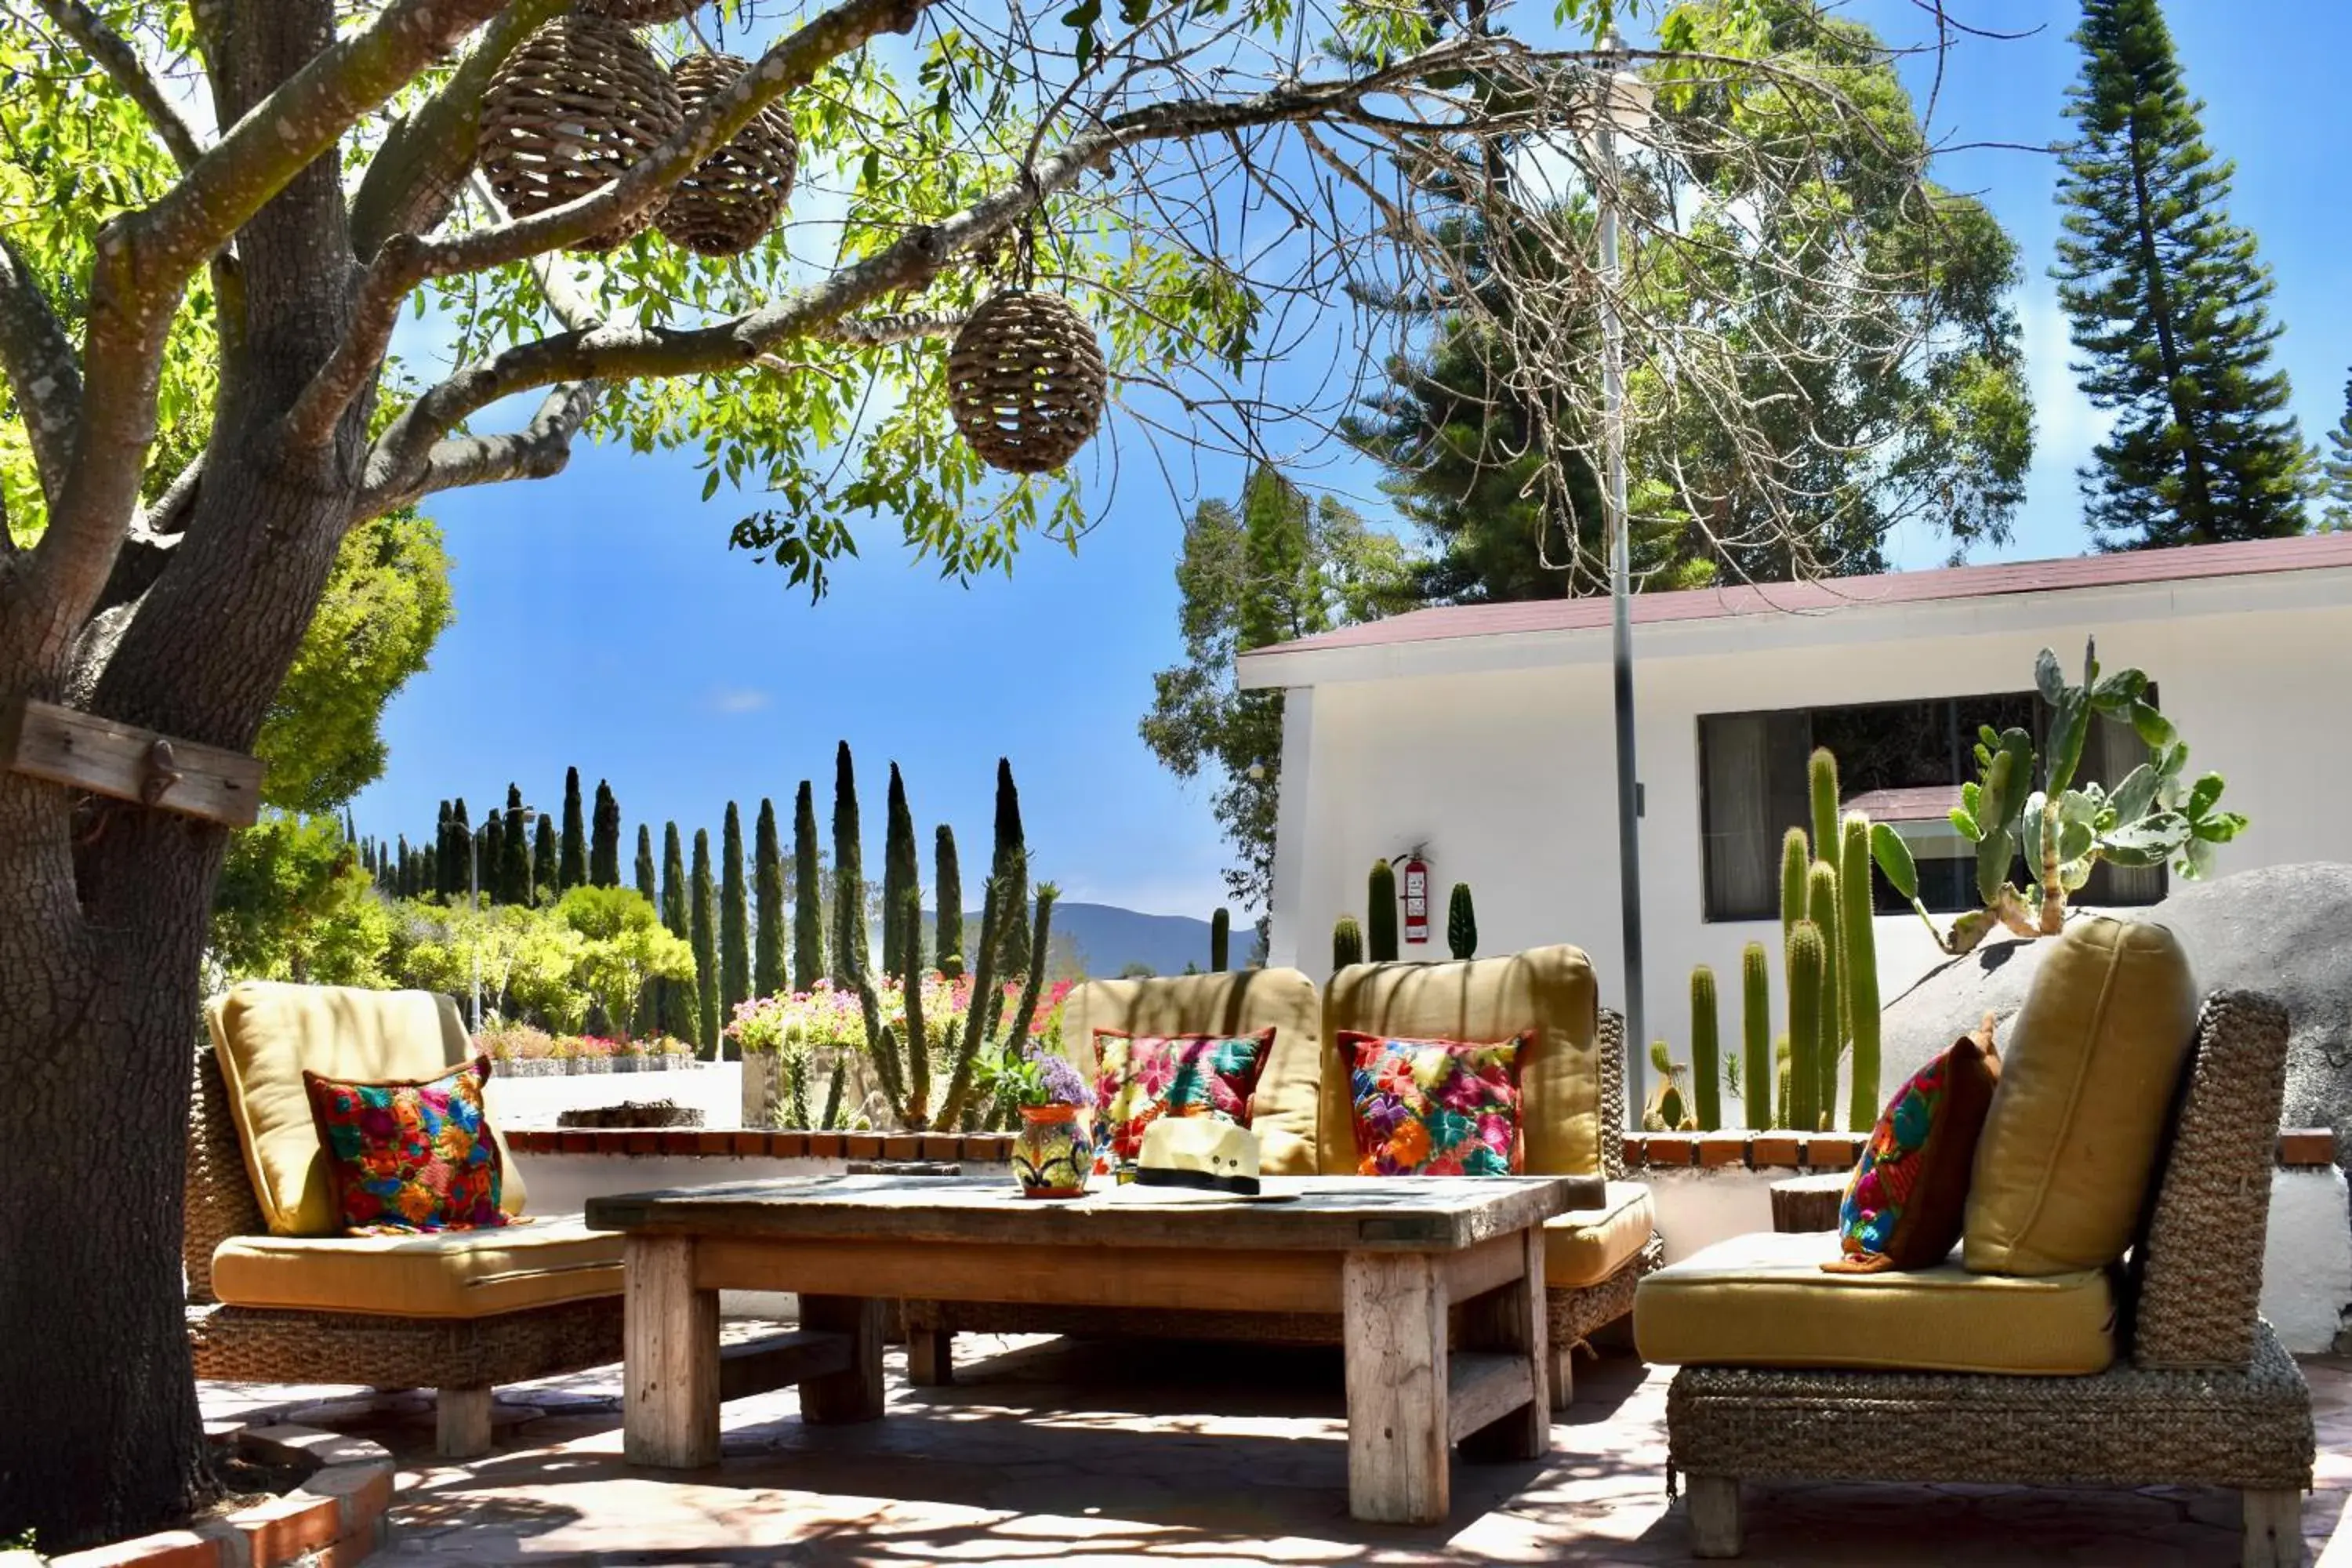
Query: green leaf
(2135, 793)
(1081, 19)
(710, 484)
(2204, 796)
(1893, 858)
(2155, 730)
(1965, 825)
(2219, 828)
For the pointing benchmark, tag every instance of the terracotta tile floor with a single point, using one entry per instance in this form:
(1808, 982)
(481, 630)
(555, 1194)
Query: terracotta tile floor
(1050, 1451)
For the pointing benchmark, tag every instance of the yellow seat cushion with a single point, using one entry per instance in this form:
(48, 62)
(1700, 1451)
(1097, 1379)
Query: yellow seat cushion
(2088, 1070)
(1584, 1247)
(266, 1033)
(1763, 1301)
(1548, 989)
(429, 1274)
(1242, 1002)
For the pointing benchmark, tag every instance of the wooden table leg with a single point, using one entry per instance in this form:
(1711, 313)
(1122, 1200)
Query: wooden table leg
(670, 1377)
(1394, 1311)
(1512, 1322)
(855, 1393)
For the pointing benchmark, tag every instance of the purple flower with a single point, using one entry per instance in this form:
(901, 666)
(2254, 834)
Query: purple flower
(1051, 1080)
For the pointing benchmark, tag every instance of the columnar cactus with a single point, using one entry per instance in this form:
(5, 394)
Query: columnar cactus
(1807, 955)
(1756, 1033)
(1221, 940)
(1706, 1055)
(1347, 943)
(1858, 931)
(1461, 923)
(1821, 795)
(1381, 914)
(1796, 858)
(1821, 909)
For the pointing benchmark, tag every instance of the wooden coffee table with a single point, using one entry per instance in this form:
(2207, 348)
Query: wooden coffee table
(1389, 1256)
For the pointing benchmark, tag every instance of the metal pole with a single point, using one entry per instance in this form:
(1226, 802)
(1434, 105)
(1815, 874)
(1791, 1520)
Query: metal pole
(473, 907)
(1620, 647)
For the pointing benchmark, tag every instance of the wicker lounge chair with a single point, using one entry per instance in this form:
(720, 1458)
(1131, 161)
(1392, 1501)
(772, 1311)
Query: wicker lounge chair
(2205, 1396)
(268, 1303)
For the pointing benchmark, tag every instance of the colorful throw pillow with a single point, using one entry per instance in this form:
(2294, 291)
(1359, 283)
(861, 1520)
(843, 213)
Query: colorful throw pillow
(407, 1156)
(1436, 1108)
(1908, 1198)
(1143, 1077)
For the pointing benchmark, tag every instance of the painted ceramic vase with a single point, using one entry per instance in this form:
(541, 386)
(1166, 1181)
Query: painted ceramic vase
(1052, 1152)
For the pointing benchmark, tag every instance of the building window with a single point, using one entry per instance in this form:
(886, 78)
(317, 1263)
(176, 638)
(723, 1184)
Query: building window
(1902, 763)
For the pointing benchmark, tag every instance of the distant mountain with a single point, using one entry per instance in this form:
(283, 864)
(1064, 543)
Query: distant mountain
(1107, 939)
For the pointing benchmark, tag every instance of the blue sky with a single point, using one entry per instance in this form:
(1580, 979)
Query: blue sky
(602, 622)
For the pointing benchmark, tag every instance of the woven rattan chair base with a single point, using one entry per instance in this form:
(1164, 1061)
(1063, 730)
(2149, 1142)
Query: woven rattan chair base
(1580, 1313)
(2127, 1426)
(268, 1345)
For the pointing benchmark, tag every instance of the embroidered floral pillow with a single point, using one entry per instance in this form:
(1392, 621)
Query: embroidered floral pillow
(1143, 1077)
(1907, 1201)
(410, 1156)
(1436, 1108)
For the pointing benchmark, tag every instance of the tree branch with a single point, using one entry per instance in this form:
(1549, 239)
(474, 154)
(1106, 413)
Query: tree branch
(538, 452)
(43, 375)
(121, 62)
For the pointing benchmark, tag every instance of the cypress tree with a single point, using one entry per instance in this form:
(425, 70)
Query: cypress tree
(572, 868)
(705, 939)
(808, 893)
(947, 948)
(543, 859)
(849, 955)
(441, 859)
(768, 886)
(900, 876)
(514, 853)
(404, 871)
(461, 850)
(2167, 304)
(648, 884)
(678, 998)
(604, 840)
(1009, 869)
(734, 917)
(489, 856)
(2336, 469)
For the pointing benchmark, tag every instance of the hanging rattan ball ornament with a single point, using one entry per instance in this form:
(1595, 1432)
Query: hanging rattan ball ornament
(1026, 381)
(577, 103)
(637, 13)
(734, 196)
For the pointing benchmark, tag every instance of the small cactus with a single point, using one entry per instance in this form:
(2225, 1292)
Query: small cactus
(1756, 1033)
(1806, 956)
(1381, 914)
(1780, 1076)
(1796, 858)
(1821, 793)
(1347, 943)
(1461, 923)
(1669, 1110)
(1221, 940)
(1706, 1058)
(1821, 909)
(1858, 926)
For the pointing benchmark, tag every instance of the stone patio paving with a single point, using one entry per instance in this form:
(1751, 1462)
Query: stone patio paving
(1051, 1451)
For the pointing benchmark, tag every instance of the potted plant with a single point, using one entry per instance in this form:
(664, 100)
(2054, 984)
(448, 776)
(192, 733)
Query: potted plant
(1054, 1152)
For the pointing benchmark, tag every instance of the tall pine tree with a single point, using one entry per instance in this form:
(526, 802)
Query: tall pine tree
(404, 870)
(2167, 304)
(648, 885)
(2338, 469)
(734, 917)
(901, 876)
(514, 852)
(1008, 870)
(604, 840)
(461, 850)
(808, 893)
(544, 859)
(768, 886)
(849, 952)
(572, 868)
(679, 998)
(948, 949)
(705, 940)
(442, 857)
(490, 854)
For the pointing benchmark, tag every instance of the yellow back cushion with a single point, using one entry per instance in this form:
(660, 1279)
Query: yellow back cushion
(266, 1034)
(1548, 989)
(1239, 1002)
(2087, 1075)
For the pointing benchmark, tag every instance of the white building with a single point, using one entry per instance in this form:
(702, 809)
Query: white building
(1482, 735)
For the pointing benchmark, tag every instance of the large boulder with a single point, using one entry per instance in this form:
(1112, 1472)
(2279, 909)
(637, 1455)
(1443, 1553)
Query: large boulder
(2286, 931)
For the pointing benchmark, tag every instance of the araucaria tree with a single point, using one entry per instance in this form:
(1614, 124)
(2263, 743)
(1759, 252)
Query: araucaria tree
(213, 217)
(2167, 304)
(2335, 469)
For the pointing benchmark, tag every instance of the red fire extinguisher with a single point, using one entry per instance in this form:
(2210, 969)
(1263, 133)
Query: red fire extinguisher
(1416, 900)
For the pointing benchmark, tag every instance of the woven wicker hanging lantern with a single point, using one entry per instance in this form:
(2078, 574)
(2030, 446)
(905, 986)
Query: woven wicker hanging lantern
(637, 13)
(577, 103)
(1026, 381)
(733, 197)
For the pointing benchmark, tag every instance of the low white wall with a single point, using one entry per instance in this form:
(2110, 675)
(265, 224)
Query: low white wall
(2306, 1270)
(715, 1090)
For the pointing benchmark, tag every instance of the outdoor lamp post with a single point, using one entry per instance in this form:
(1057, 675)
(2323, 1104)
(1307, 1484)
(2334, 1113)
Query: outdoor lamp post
(1622, 106)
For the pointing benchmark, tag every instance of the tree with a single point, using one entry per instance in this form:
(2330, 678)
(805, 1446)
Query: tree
(647, 1017)
(295, 905)
(2166, 302)
(464, 852)
(604, 840)
(1277, 567)
(573, 868)
(681, 1006)
(901, 879)
(705, 936)
(514, 853)
(2336, 469)
(543, 858)
(734, 917)
(948, 948)
(489, 852)
(768, 976)
(808, 897)
(201, 404)
(1008, 874)
(849, 950)
(442, 856)
(624, 947)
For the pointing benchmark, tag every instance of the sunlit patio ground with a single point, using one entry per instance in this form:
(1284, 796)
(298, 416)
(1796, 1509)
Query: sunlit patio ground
(1056, 1451)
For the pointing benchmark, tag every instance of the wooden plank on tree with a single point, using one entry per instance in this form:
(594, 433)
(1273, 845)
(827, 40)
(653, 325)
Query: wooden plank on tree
(82, 750)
